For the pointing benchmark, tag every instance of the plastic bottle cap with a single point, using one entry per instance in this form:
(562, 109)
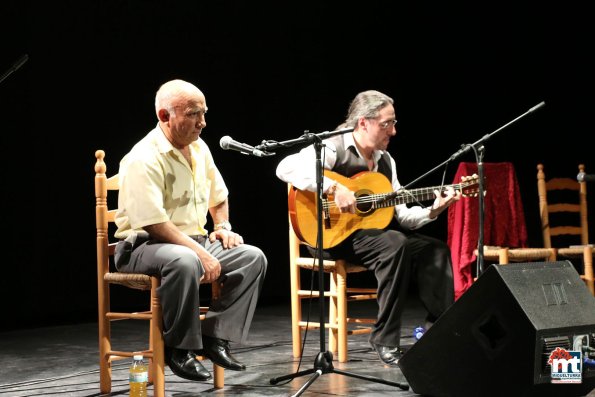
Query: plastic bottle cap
(418, 332)
(138, 357)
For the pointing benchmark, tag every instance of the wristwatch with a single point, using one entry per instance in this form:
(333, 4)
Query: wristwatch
(222, 225)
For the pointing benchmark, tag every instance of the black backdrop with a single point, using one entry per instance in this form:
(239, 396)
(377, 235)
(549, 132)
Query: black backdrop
(269, 71)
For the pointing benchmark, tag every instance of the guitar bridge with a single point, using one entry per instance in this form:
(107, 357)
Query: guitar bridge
(326, 216)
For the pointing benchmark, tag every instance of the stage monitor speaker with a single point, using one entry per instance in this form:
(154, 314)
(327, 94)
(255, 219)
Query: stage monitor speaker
(495, 340)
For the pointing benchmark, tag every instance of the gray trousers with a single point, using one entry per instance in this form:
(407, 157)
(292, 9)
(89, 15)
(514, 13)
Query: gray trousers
(229, 317)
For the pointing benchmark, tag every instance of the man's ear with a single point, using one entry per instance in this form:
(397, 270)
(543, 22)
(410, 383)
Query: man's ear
(163, 115)
(361, 123)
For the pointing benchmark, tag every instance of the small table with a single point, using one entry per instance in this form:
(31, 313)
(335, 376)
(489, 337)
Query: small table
(504, 219)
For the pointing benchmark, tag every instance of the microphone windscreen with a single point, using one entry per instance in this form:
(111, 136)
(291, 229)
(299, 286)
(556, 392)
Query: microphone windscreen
(224, 142)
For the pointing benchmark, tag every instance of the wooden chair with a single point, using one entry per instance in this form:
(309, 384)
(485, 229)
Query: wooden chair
(569, 219)
(337, 293)
(107, 276)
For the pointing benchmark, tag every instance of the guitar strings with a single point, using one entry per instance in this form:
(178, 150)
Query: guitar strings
(373, 198)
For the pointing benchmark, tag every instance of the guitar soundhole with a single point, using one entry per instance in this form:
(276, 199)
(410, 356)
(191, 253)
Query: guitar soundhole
(365, 202)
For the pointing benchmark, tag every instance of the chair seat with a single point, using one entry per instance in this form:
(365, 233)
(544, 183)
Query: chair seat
(527, 254)
(131, 280)
(505, 254)
(573, 252)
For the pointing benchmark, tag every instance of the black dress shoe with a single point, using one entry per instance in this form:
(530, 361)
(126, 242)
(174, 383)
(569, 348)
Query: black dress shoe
(184, 364)
(217, 350)
(388, 354)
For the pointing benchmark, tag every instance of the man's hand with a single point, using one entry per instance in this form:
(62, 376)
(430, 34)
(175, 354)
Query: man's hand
(443, 201)
(211, 265)
(212, 268)
(345, 199)
(228, 238)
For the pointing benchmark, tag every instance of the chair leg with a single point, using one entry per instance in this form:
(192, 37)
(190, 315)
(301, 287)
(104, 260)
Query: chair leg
(218, 372)
(588, 268)
(156, 342)
(342, 310)
(296, 311)
(333, 315)
(219, 376)
(105, 367)
(503, 256)
(553, 256)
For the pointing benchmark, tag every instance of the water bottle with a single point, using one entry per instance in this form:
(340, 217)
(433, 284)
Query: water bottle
(418, 332)
(139, 376)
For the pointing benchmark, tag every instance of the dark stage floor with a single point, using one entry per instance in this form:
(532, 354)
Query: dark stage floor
(62, 361)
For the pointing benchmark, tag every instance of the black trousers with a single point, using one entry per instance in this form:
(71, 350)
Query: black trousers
(397, 260)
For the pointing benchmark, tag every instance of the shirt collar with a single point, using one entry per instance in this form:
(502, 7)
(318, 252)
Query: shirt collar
(348, 140)
(163, 144)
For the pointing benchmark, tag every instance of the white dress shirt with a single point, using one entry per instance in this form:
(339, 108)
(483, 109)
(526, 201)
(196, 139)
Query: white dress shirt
(299, 169)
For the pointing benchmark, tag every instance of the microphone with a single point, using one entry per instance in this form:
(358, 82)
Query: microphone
(582, 177)
(227, 143)
(534, 108)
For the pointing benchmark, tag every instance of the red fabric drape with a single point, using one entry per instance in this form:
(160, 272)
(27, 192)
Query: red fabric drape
(504, 219)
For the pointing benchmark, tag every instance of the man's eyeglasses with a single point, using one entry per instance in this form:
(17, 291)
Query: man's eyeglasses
(387, 123)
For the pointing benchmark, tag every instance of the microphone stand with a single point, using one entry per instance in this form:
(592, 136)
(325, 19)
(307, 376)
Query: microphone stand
(479, 150)
(323, 363)
(14, 67)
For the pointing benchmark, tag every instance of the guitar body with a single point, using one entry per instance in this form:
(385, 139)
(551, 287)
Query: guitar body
(375, 206)
(338, 226)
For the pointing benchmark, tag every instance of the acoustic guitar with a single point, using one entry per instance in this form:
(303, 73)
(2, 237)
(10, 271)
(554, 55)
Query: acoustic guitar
(375, 201)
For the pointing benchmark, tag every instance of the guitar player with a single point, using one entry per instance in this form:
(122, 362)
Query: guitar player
(397, 254)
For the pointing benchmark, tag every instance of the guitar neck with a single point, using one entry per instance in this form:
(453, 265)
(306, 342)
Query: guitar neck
(404, 196)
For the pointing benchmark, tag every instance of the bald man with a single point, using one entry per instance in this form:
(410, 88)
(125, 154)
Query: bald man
(169, 184)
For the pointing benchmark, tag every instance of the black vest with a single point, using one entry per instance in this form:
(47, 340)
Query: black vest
(350, 163)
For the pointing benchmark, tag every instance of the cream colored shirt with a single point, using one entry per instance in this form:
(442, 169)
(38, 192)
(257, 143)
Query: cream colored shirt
(157, 185)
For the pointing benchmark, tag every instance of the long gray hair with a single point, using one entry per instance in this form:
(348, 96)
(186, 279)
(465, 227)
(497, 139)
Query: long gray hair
(366, 104)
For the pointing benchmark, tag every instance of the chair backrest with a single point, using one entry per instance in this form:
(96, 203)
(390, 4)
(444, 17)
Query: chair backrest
(105, 219)
(562, 208)
(104, 216)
